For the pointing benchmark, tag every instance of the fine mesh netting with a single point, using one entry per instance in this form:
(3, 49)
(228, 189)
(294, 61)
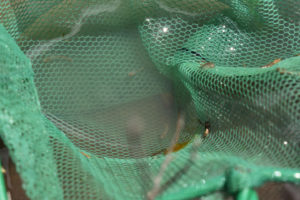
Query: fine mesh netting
(157, 99)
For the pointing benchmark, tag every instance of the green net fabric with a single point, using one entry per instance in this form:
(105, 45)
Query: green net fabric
(94, 93)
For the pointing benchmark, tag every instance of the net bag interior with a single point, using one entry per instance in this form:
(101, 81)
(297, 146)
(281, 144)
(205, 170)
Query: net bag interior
(157, 99)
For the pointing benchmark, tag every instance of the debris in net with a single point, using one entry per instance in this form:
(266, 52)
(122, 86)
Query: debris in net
(86, 155)
(272, 63)
(208, 65)
(284, 71)
(133, 73)
(281, 71)
(166, 130)
(159, 152)
(135, 126)
(197, 141)
(207, 128)
(206, 132)
(196, 144)
(157, 180)
(177, 147)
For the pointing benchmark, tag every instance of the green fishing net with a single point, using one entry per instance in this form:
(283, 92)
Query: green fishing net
(157, 99)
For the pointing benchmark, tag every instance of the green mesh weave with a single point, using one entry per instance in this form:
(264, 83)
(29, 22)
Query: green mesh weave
(92, 93)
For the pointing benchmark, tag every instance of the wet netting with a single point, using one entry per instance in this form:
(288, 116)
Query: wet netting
(151, 99)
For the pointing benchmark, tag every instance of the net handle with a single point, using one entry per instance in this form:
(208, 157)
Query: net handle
(247, 194)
